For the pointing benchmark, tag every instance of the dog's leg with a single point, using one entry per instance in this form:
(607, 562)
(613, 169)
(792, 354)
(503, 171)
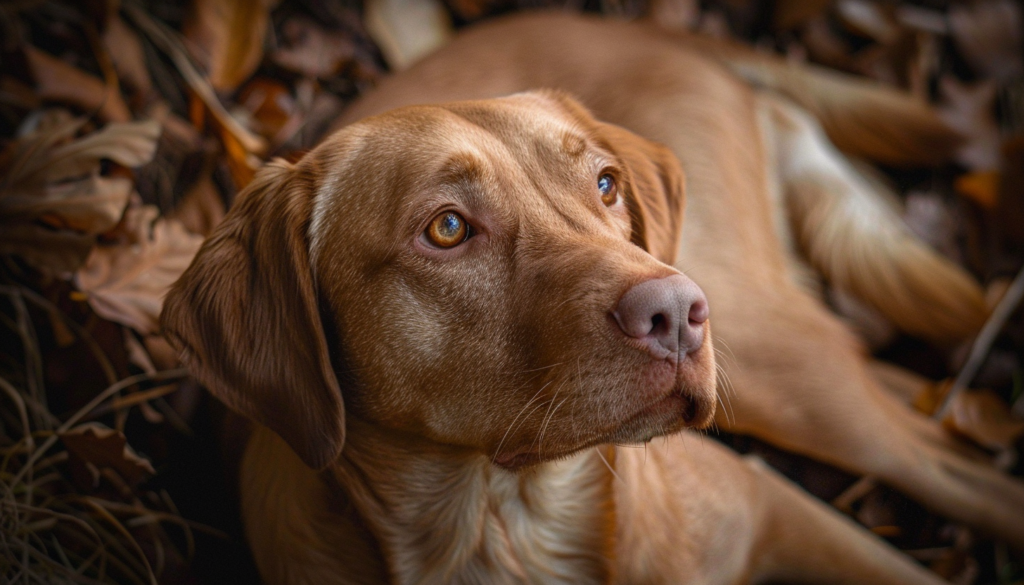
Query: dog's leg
(809, 391)
(693, 511)
(849, 229)
(902, 387)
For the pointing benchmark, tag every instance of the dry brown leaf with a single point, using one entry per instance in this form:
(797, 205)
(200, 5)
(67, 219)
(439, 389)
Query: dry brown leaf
(312, 50)
(270, 103)
(229, 35)
(126, 282)
(125, 50)
(989, 36)
(92, 447)
(869, 19)
(58, 182)
(824, 46)
(406, 30)
(168, 41)
(52, 251)
(982, 187)
(58, 81)
(970, 110)
(982, 416)
(789, 14)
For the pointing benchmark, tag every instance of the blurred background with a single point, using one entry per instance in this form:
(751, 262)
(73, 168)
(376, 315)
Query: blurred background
(128, 126)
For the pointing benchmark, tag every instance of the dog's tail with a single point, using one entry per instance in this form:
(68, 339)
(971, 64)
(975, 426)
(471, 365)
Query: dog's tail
(849, 227)
(861, 117)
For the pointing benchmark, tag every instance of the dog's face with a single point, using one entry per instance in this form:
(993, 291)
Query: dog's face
(459, 272)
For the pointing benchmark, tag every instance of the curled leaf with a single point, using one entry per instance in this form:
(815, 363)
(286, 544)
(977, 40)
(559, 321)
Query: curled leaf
(126, 282)
(59, 183)
(229, 34)
(93, 447)
(58, 81)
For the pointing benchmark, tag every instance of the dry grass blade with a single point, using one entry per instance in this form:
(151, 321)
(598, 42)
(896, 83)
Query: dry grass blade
(82, 412)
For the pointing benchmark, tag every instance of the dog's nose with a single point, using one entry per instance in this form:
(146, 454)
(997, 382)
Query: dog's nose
(666, 314)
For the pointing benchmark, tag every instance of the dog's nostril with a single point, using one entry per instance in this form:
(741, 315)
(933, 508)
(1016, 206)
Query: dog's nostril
(698, 312)
(658, 323)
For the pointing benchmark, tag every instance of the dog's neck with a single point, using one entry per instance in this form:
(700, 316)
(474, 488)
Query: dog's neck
(445, 515)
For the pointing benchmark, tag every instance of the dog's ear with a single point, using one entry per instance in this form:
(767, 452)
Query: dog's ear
(655, 183)
(654, 191)
(245, 318)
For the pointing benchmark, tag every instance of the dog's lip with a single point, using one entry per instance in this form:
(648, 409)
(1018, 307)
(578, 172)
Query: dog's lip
(663, 407)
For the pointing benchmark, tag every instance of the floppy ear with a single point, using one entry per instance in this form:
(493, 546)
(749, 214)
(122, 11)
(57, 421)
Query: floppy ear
(655, 184)
(245, 319)
(654, 191)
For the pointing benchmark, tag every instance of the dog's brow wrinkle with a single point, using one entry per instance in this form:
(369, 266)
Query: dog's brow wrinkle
(573, 144)
(462, 168)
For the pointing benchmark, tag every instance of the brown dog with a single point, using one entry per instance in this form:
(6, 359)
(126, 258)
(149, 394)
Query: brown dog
(767, 192)
(463, 290)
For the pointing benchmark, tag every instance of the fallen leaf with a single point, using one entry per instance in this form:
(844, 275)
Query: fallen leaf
(824, 46)
(970, 110)
(125, 50)
(57, 81)
(869, 19)
(985, 418)
(126, 282)
(54, 180)
(270, 103)
(989, 36)
(312, 50)
(170, 43)
(406, 30)
(92, 447)
(229, 35)
(982, 187)
(790, 14)
(49, 250)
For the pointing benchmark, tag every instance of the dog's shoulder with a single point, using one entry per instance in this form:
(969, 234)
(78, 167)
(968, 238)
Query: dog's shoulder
(301, 527)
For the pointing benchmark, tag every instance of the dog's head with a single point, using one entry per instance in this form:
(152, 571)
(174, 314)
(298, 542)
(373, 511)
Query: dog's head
(483, 274)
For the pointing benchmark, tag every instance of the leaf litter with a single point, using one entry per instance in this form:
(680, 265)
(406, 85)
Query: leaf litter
(128, 127)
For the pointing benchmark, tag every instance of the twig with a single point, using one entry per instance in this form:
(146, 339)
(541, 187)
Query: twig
(164, 39)
(983, 343)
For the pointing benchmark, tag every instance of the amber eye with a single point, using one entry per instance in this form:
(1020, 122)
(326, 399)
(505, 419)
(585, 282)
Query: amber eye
(609, 191)
(447, 230)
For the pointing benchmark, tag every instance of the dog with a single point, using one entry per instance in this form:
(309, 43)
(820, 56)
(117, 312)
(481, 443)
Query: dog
(445, 317)
(772, 204)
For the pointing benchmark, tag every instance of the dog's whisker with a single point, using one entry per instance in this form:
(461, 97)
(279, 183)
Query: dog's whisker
(527, 405)
(539, 441)
(541, 445)
(606, 464)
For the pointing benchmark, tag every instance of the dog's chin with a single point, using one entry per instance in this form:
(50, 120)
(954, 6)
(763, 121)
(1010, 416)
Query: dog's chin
(666, 416)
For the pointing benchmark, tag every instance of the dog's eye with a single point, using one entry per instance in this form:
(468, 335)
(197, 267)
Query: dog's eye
(609, 191)
(447, 230)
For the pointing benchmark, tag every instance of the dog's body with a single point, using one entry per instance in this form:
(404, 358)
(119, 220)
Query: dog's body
(455, 382)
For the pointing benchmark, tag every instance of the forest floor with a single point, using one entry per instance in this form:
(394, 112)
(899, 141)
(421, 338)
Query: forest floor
(127, 127)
